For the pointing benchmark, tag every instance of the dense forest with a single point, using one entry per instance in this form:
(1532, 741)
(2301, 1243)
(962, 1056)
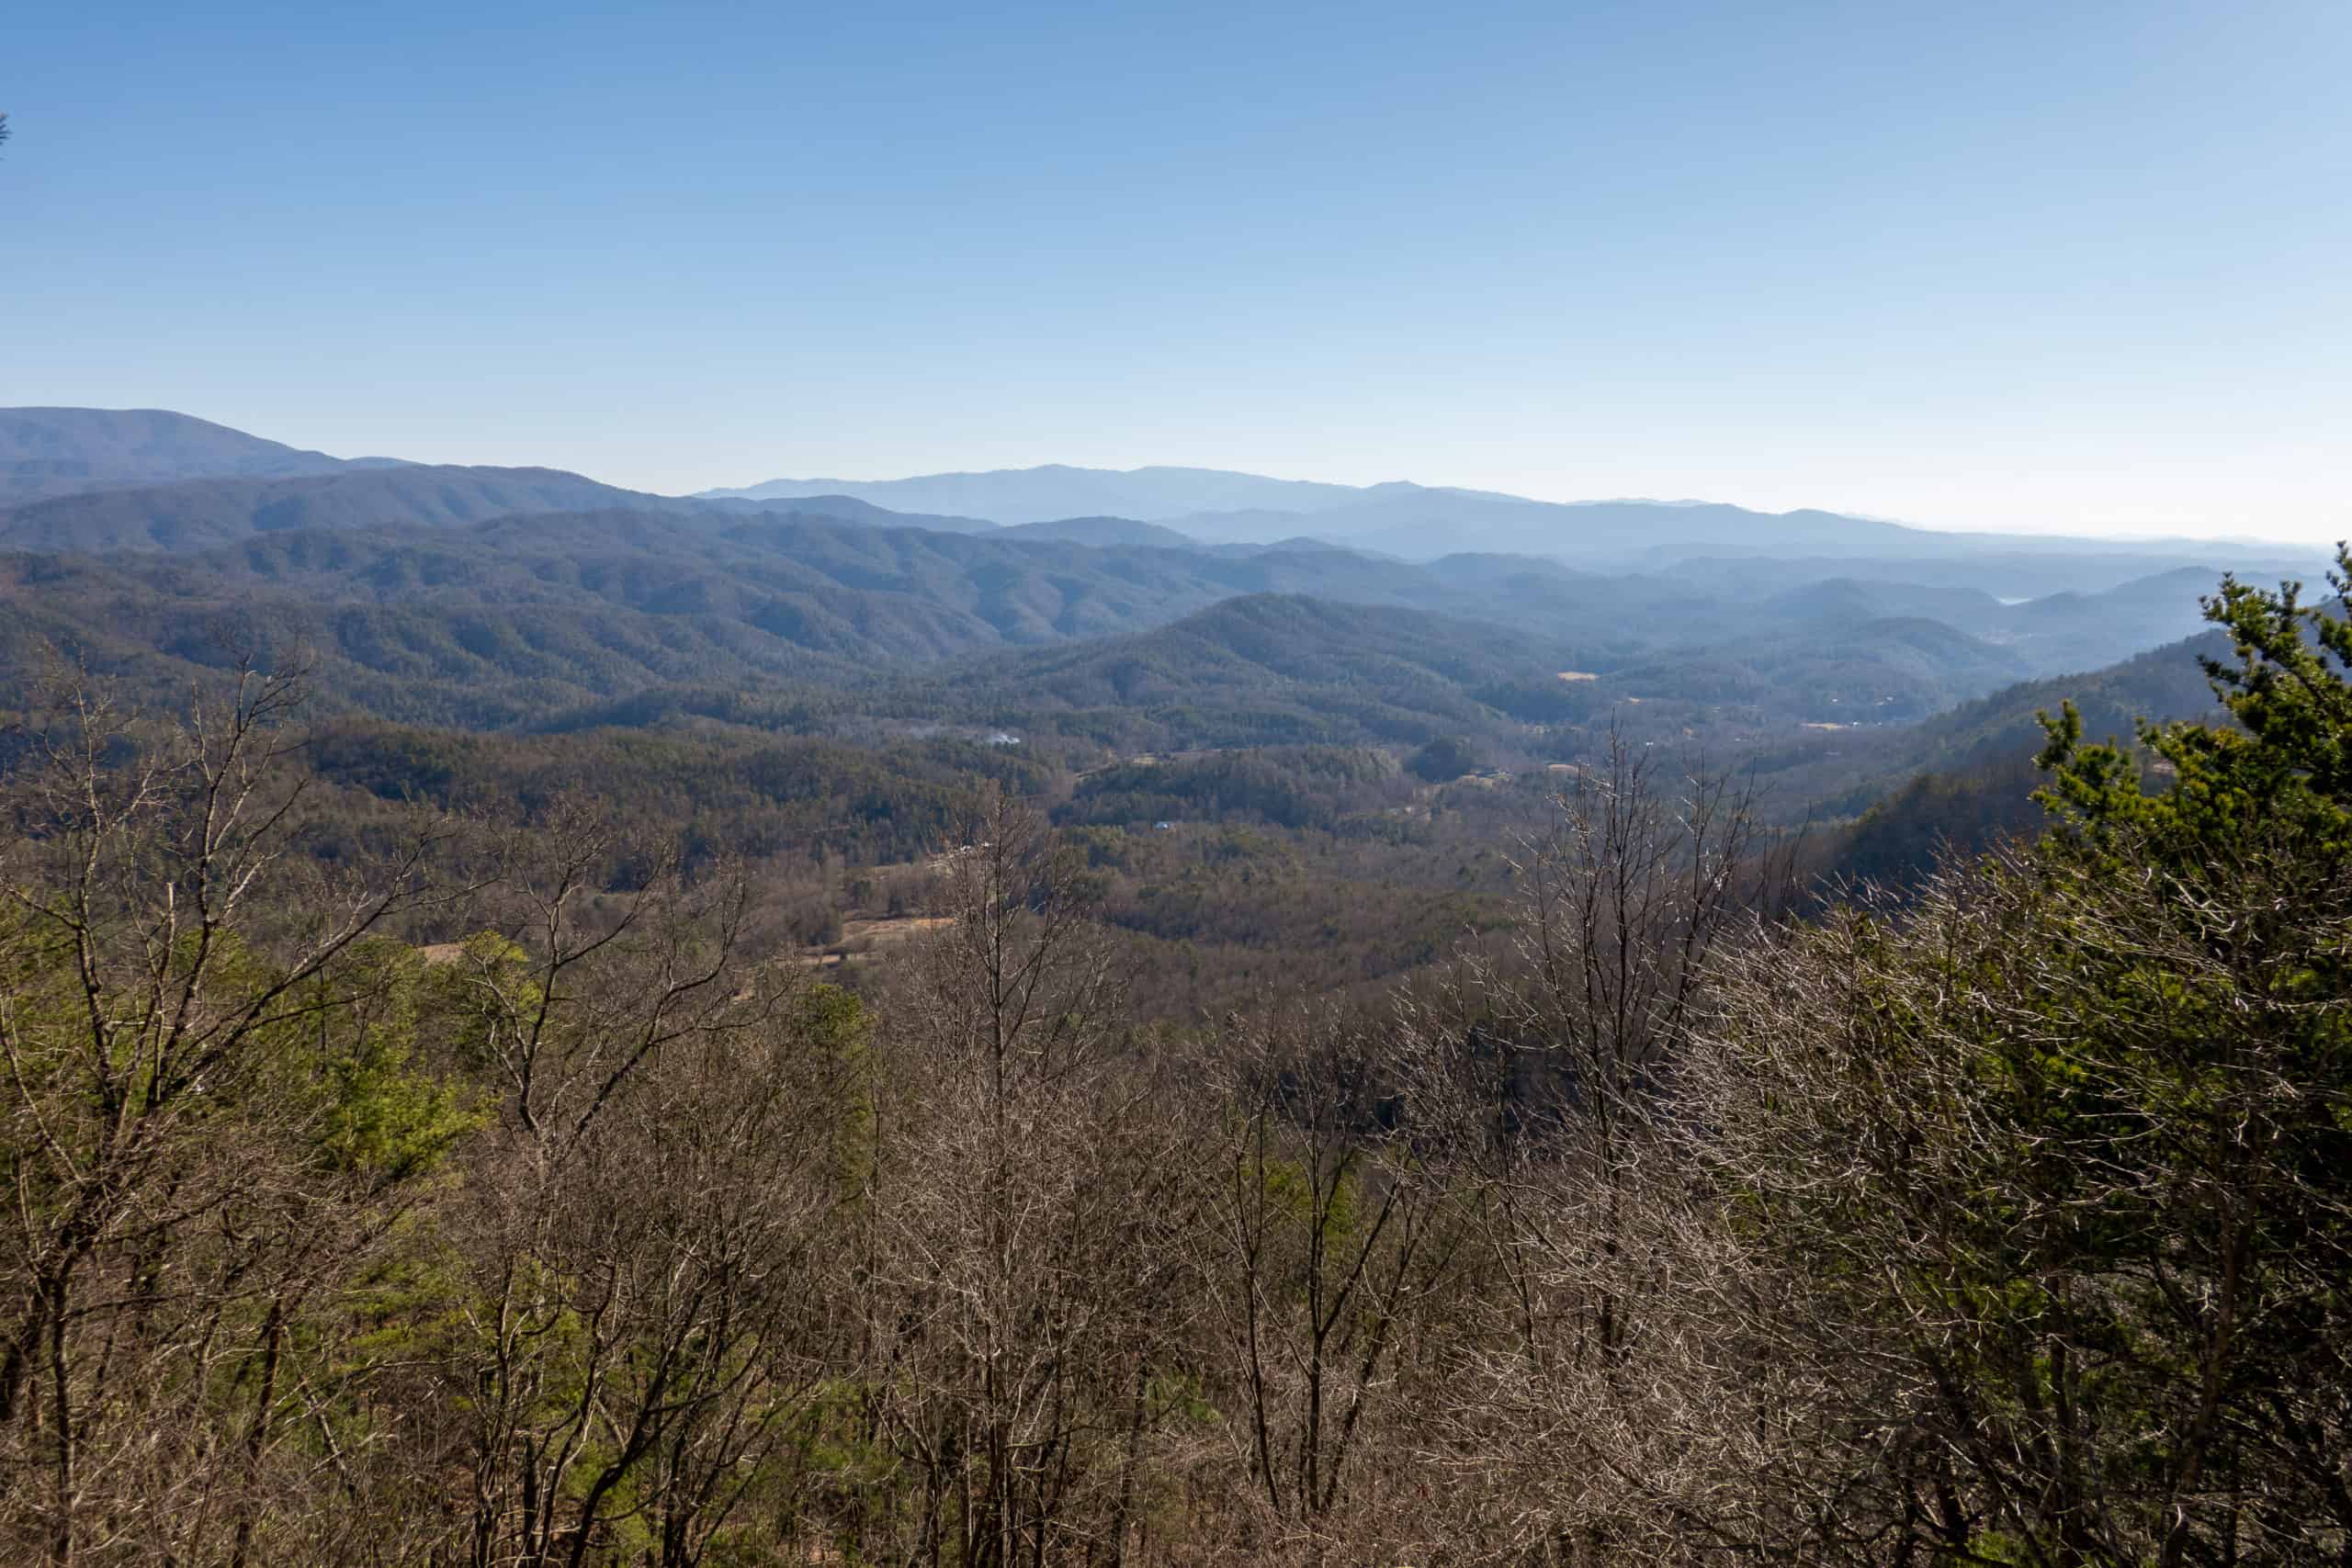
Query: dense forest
(739, 1139)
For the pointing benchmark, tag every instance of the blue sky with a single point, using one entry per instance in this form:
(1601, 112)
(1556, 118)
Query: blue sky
(2084, 265)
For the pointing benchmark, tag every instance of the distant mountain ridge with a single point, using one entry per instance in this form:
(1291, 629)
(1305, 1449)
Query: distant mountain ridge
(1102, 531)
(1397, 517)
(1417, 522)
(1059, 490)
(49, 452)
(844, 576)
(196, 514)
(192, 514)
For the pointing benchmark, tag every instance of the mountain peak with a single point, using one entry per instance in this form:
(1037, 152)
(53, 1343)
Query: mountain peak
(47, 452)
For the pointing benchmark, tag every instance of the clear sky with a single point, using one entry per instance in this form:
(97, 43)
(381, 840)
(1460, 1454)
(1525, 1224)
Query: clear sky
(2079, 266)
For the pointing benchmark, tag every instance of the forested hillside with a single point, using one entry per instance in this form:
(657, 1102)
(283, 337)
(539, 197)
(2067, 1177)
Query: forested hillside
(422, 613)
(574, 1026)
(1547, 786)
(701, 1144)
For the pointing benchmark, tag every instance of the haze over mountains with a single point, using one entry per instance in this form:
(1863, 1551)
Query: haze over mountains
(1217, 506)
(52, 452)
(1416, 521)
(504, 597)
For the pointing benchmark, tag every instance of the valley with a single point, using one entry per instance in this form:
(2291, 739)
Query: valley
(1204, 785)
(1285, 687)
(584, 900)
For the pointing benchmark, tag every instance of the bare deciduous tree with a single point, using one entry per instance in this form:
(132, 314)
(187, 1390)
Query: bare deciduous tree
(187, 1032)
(1029, 1186)
(1332, 1262)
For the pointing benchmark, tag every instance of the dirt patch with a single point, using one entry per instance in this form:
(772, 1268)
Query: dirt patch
(892, 928)
(862, 937)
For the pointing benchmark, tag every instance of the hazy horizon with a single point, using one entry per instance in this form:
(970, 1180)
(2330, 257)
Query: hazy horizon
(816, 482)
(815, 479)
(2011, 269)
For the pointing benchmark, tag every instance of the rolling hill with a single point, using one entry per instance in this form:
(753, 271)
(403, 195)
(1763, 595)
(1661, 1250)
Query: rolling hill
(1887, 671)
(879, 594)
(758, 591)
(1257, 670)
(1102, 531)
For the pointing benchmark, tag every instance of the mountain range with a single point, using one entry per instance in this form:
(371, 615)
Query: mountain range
(1415, 521)
(501, 617)
(1399, 518)
(94, 479)
(518, 597)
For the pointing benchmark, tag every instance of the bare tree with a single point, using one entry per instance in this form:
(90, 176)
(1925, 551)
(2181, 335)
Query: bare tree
(622, 1285)
(1028, 1184)
(1541, 1075)
(1331, 1267)
(186, 1045)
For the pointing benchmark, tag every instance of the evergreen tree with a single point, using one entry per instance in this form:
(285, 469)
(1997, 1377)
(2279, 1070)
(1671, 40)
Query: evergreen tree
(2064, 1157)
